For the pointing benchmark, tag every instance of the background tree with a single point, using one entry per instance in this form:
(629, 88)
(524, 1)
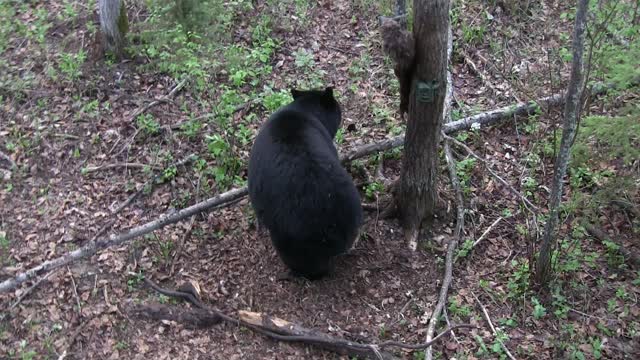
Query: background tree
(571, 116)
(416, 195)
(114, 25)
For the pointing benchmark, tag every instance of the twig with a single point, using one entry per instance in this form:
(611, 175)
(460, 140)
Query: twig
(9, 160)
(35, 285)
(75, 291)
(493, 329)
(474, 69)
(446, 318)
(165, 98)
(72, 337)
(118, 165)
(343, 50)
(283, 330)
(528, 203)
(486, 232)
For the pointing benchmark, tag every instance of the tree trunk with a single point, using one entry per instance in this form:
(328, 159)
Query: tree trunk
(416, 196)
(114, 25)
(571, 115)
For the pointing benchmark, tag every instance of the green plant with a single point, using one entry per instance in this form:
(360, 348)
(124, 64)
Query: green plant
(339, 138)
(134, 280)
(382, 333)
(465, 249)
(272, 100)
(148, 124)
(191, 128)
(26, 354)
(518, 284)
(482, 347)
(539, 310)
(304, 58)
(70, 64)
(464, 169)
(372, 190)
(457, 309)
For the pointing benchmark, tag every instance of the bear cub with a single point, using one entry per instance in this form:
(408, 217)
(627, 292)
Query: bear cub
(298, 188)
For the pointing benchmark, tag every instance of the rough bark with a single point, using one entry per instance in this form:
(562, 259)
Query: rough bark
(416, 197)
(571, 115)
(114, 25)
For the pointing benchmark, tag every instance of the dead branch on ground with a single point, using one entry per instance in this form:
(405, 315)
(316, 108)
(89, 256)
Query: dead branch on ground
(271, 327)
(486, 232)
(493, 329)
(118, 165)
(451, 249)
(117, 239)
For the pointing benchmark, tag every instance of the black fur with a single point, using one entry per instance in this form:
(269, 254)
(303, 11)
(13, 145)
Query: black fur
(298, 188)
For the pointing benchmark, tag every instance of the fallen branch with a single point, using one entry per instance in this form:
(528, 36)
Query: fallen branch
(272, 327)
(634, 259)
(486, 232)
(493, 329)
(102, 243)
(115, 166)
(451, 249)
(482, 119)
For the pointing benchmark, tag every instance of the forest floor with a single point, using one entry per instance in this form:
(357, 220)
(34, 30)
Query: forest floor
(69, 121)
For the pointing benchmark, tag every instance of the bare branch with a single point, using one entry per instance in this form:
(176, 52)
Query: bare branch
(92, 247)
(486, 232)
(493, 329)
(118, 165)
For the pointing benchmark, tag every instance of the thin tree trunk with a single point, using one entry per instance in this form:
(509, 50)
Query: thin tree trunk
(416, 197)
(571, 114)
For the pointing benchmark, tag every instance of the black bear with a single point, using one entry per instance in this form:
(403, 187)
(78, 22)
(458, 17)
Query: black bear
(299, 190)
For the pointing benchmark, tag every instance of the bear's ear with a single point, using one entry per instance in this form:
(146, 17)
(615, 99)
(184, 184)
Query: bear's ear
(296, 93)
(329, 91)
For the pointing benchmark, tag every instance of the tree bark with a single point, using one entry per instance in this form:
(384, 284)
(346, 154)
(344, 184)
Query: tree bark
(416, 196)
(571, 115)
(114, 25)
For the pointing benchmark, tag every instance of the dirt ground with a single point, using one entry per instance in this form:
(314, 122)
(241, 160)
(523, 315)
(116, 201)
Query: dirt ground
(51, 204)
